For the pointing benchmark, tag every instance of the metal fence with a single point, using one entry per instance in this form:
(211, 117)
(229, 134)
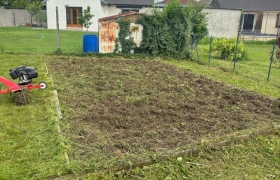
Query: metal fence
(60, 30)
(20, 34)
(44, 40)
(257, 63)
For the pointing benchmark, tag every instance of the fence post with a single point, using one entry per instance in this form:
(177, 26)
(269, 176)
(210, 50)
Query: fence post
(271, 60)
(192, 44)
(57, 30)
(210, 49)
(236, 52)
(14, 18)
(196, 47)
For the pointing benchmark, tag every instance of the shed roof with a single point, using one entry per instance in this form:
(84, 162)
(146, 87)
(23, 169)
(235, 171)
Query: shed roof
(131, 2)
(121, 16)
(248, 5)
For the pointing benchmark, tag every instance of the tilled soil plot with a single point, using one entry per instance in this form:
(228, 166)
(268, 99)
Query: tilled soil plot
(126, 108)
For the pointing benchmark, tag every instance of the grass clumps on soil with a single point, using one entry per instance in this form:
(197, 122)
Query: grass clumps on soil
(245, 159)
(22, 97)
(123, 111)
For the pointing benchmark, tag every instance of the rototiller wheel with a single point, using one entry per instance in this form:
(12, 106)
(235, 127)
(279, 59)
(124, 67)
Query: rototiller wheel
(25, 75)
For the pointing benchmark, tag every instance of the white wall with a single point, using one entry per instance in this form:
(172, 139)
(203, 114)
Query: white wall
(97, 9)
(223, 22)
(113, 10)
(144, 10)
(51, 12)
(110, 10)
(268, 24)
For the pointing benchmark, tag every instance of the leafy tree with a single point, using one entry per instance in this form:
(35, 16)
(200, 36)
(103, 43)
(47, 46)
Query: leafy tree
(84, 19)
(199, 21)
(6, 4)
(17, 4)
(41, 18)
(34, 9)
(277, 52)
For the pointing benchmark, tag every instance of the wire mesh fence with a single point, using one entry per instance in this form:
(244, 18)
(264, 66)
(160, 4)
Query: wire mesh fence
(20, 33)
(254, 65)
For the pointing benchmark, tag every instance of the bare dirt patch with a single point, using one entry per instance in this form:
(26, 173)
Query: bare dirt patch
(122, 111)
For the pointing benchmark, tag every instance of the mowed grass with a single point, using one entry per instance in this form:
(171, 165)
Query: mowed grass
(250, 74)
(258, 158)
(25, 40)
(29, 142)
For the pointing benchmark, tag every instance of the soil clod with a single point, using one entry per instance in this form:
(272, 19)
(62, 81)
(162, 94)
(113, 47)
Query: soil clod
(21, 98)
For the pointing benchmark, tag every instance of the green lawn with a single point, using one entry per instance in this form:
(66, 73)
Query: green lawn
(29, 142)
(25, 40)
(250, 74)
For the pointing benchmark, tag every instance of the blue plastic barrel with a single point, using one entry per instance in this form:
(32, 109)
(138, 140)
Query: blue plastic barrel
(90, 43)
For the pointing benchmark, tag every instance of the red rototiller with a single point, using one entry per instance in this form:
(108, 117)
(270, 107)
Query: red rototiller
(25, 75)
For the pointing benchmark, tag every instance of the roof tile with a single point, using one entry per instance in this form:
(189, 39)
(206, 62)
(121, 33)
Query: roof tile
(250, 5)
(131, 2)
(187, 1)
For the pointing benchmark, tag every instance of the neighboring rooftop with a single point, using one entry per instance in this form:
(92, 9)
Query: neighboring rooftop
(247, 5)
(130, 2)
(187, 1)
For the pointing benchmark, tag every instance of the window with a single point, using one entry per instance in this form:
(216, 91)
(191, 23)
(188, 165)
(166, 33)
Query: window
(129, 10)
(277, 25)
(72, 14)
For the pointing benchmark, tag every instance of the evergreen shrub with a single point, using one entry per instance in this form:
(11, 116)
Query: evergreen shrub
(166, 33)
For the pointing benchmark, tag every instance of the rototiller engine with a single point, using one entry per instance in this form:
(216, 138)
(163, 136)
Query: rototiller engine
(25, 75)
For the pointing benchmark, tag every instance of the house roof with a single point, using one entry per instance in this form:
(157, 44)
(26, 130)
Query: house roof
(122, 16)
(248, 5)
(187, 1)
(130, 2)
(124, 2)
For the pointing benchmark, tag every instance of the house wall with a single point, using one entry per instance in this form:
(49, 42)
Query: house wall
(113, 10)
(110, 10)
(99, 10)
(269, 22)
(223, 22)
(51, 12)
(17, 17)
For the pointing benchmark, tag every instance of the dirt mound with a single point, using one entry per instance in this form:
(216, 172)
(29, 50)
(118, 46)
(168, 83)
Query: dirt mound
(21, 98)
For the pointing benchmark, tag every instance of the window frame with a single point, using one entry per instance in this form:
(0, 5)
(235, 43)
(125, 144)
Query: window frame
(277, 24)
(130, 10)
(71, 11)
